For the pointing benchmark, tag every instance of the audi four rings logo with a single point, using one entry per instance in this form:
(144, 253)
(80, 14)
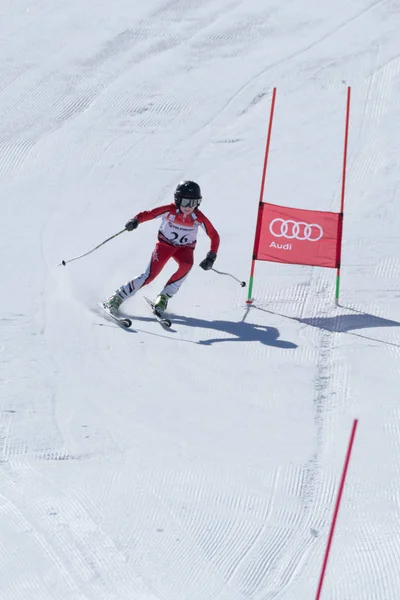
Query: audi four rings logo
(293, 230)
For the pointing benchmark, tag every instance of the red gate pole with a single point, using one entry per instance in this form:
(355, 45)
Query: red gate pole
(258, 226)
(346, 138)
(335, 514)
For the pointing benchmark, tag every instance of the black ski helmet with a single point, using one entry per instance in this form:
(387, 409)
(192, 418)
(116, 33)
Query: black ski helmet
(187, 189)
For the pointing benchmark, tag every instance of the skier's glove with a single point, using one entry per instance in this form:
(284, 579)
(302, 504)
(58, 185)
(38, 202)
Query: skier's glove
(131, 224)
(208, 262)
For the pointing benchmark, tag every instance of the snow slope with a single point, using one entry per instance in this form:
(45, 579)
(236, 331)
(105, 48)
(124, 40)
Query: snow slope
(200, 463)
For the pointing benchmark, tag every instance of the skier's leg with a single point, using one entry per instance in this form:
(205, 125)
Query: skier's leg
(184, 257)
(161, 254)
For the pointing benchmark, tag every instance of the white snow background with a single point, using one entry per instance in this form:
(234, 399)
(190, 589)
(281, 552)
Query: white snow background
(200, 463)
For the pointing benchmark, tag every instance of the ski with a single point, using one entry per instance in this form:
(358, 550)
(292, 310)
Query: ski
(162, 320)
(123, 322)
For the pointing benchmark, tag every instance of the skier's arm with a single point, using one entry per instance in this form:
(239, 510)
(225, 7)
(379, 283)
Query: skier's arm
(212, 234)
(148, 215)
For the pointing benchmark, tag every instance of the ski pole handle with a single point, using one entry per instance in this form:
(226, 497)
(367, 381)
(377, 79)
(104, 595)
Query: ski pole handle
(65, 262)
(242, 283)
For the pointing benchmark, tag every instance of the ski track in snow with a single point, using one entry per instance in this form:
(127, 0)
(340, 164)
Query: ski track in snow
(63, 534)
(118, 479)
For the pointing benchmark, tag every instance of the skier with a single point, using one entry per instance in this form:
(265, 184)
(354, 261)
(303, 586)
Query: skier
(176, 239)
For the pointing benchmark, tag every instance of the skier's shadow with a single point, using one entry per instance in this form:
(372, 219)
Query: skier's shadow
(240, 332)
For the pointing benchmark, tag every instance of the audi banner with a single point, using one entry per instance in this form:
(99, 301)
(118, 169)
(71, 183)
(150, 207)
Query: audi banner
(297, 236)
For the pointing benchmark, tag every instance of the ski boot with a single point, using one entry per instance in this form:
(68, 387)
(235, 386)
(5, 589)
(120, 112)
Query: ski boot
(113, 303)
(161, 303)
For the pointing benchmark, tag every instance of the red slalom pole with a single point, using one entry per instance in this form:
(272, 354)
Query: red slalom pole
(257, 234)
(346, 140)
(335, 514)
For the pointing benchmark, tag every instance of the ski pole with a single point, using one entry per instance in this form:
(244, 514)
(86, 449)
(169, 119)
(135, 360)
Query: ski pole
(64, 262)
(242, 283)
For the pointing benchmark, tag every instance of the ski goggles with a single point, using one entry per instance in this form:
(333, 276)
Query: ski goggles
(189, 202)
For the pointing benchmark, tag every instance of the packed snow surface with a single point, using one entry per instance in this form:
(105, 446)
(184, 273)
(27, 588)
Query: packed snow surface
(200, 463)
